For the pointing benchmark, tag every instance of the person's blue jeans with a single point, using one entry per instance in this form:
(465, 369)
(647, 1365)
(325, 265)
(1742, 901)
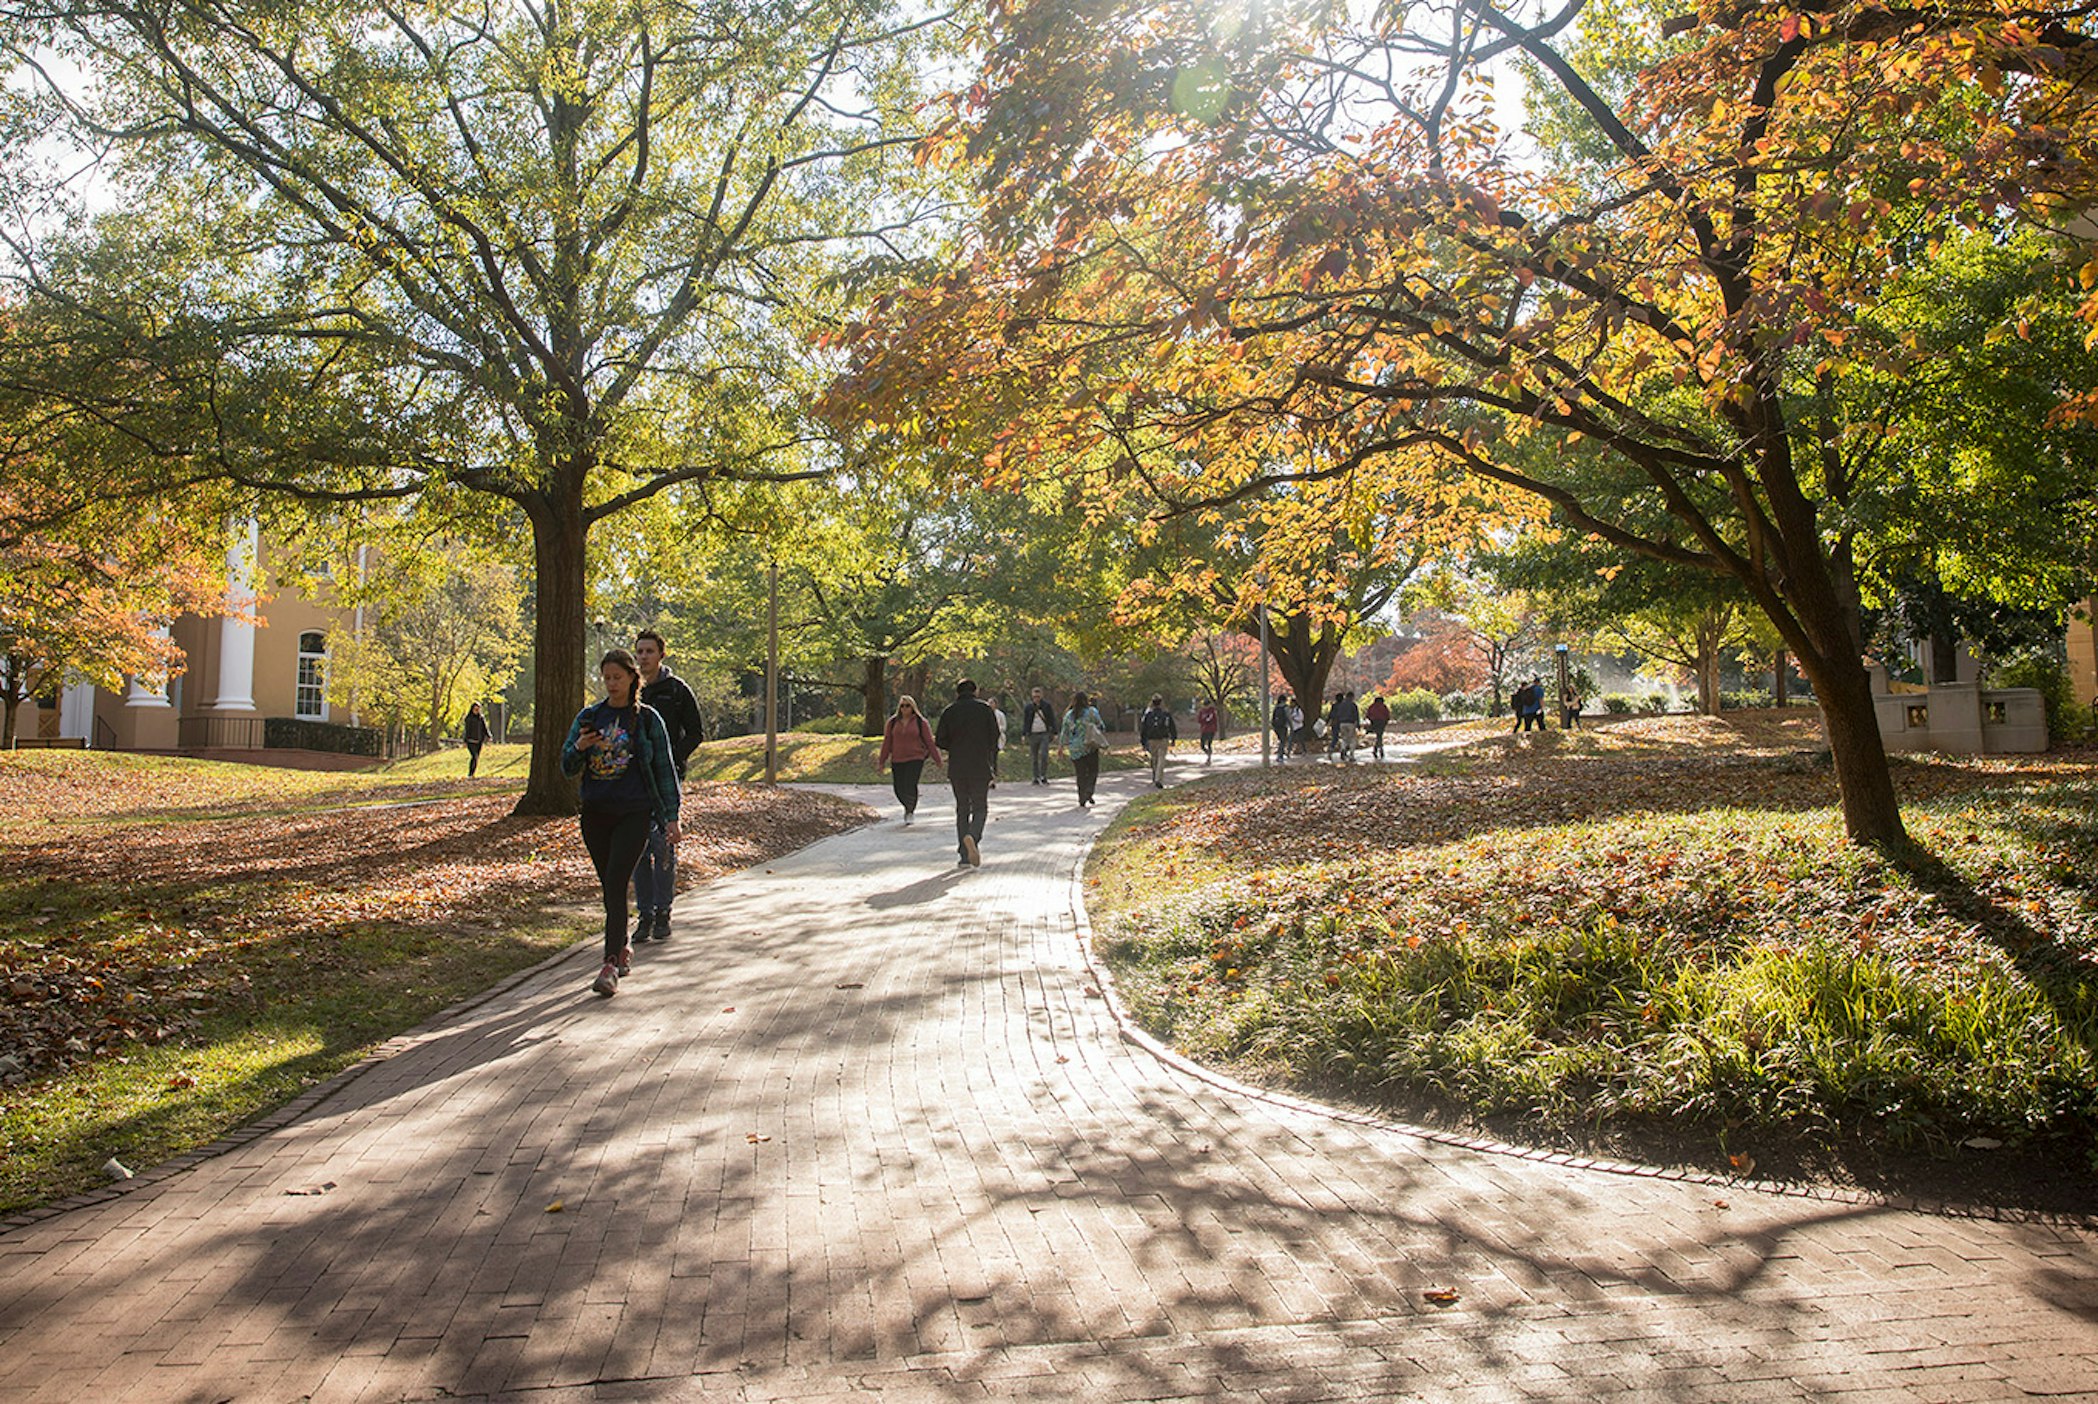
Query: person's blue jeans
(655, 876)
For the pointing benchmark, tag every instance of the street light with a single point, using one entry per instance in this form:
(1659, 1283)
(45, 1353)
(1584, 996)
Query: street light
(1560, 649)
(1267, 739)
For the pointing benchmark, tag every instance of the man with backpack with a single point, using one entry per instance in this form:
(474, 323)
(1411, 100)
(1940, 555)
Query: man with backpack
(968, 733)
(1157, 730)
(1039, 724)
(655, 877)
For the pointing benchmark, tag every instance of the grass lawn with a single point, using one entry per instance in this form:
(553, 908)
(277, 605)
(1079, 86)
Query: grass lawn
(817, 757)
(186, 944)
(1649, 939)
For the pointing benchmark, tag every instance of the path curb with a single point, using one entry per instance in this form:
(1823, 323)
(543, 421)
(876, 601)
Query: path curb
(1133, 1033)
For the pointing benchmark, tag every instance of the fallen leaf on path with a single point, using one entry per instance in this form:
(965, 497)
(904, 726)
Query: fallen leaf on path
(1091, 993)
(854, 985)
(557, 1206)
(1441, 1296)
(1719, 1204)
(754, 1138)
(321, 1188)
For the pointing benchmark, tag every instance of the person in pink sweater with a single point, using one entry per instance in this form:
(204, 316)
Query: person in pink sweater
(906, 744)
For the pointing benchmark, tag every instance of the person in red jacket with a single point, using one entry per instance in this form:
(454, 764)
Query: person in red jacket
(1206, 718)
(906, 744)
(1379, 717)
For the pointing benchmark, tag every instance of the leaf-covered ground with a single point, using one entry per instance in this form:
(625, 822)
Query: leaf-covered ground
(184, 944)
(1650, 939)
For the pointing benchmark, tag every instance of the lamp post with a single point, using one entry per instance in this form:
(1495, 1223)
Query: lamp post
(1560, 649)
(772, 677)
(1267, 701)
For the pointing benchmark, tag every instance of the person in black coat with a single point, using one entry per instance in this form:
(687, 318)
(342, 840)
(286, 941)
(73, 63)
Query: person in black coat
(655, 878)
(475, 735)
(968, 733)
(1040, 724)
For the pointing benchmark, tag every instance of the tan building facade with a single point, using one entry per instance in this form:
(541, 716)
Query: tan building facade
(267, 660)
(2083, 651)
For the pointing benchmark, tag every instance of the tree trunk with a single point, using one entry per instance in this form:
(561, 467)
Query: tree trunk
(11, 703)
(1778, 689)
(559, 536)
(1871, 810)
(1707, 671)
(1944, 652)
(874, 690)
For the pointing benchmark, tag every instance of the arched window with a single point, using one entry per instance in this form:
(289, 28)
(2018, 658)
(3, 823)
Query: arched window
(312, 704)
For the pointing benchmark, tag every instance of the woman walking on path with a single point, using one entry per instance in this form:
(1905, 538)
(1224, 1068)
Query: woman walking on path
(1083, 735)
(629, 782)
(1206, 718)
(475, 735)
(906, 744)
(1379, 717)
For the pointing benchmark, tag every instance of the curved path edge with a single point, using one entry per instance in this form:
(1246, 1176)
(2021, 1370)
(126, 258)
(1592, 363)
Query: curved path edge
(1134, 1033)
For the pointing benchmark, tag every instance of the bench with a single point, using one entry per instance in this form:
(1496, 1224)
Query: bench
(50, 743)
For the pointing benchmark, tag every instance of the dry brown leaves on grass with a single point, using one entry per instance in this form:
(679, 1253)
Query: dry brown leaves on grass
(125, 931)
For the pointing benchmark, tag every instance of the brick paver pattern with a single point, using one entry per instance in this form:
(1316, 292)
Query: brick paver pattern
(861, 1131)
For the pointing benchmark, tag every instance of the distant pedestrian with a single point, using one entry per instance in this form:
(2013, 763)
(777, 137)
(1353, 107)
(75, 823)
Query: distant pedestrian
(1331, 731)
(1280, 723)
(1570, 708)
(1084, 735)
(1158, 731)
(1207, 716)
(475, 734)
(968, 733)
(1379, 717)
(655, 877)
(629, 781)
(998, 714)
(1038, 723)
(1345, 720)
(1529, 705)
(906, 744)
(1299, 738)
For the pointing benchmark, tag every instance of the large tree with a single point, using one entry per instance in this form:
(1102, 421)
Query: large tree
(562, 252)
(1314, 217)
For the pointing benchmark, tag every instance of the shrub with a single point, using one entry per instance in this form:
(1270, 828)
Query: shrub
(323, 736)
(1417, 704)
(843, 724)
(2047, 675)
(1744, 701)
(1656, 701)
(1463, 704)
(1617, 704)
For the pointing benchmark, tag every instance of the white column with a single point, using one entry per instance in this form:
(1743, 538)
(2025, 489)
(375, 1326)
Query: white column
(143, 692)
(236, 680)
(76, 711)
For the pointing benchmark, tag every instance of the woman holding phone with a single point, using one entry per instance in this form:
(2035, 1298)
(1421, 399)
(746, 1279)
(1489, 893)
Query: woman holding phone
(622, 750)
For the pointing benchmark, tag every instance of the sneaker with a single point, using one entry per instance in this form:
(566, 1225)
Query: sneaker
(625, 965)
(644, 923)
(661, 930)
(975, 858)
(607, 981)
(909, 818)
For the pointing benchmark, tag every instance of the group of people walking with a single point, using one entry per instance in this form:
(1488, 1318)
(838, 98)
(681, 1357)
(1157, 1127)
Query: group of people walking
(629, 752)
(1341, 727)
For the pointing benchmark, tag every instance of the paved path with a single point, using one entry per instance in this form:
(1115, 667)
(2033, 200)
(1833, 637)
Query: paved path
(859, 1131)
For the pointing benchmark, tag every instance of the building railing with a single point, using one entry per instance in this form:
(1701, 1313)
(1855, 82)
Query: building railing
(215, 733)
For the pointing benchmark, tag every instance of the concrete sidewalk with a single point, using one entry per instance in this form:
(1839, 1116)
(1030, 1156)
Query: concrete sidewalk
(860, 1131)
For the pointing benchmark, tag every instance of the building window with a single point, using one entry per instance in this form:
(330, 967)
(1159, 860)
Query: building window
(312, 702)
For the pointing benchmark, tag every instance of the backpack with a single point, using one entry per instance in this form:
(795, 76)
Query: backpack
(1157, 724)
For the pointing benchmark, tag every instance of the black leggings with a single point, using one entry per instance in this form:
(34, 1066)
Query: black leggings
(904, 776)
(615, 841)
(1087, 764)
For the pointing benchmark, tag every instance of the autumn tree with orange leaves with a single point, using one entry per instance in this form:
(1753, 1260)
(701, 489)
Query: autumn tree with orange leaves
(1245, 248)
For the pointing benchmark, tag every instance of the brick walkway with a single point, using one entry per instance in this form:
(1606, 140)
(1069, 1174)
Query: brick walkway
(859, 1131)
